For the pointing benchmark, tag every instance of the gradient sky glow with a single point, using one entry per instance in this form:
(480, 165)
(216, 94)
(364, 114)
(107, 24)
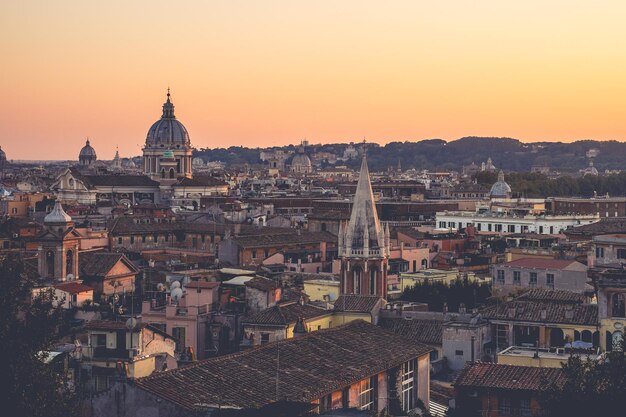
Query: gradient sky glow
(261, 73)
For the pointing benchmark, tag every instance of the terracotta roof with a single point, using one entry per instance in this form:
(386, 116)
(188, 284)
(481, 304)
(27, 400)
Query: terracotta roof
(200, 181)
(73, 287)
(424, 331)
(98, 264)
(539, 263)
(507, 377)
(607, 225)
(262, 284)
(265, 240)
(285, 314)
(202, 284)
(310, 366)
(554, 296)
(531, 311)
(110, 325)
(358, 303)
(126, 225)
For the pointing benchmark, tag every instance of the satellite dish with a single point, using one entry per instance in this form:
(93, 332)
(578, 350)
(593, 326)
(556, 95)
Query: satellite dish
(70, 277)
(116, 298)
(160, 287)
(174, 285)
(131, 323)
(176, 294)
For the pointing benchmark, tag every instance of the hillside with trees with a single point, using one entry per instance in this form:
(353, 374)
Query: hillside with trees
(432, 154)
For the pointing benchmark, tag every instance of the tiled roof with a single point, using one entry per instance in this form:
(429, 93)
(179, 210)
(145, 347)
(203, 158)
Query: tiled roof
(531, 311)
(539, 263)
(98, 264)
(307, 368)
(357, 303)
(507, 377)
(554, 296)
(73, 287)
(92, 181)
(265, 240)
(262, 284)
(284, 314)
(109, 325)
(126, 225)
(202, 284)
(607, 225)
(440, 393)
(200, 181)
(424, 331)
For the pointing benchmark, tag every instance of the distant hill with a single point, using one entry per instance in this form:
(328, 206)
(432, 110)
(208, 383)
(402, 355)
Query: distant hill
(509, 154)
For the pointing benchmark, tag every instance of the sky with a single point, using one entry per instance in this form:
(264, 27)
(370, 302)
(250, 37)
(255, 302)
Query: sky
(263, 73)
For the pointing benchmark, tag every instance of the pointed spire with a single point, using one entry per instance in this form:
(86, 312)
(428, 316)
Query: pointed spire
(501, 176)
(57, 215)
(364, 221)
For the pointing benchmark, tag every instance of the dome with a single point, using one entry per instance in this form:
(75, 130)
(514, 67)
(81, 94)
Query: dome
(500, 188)
(128, 163)
(168, 131)
(301, 163)
(87, 151)
(57, 215)
(3, 156)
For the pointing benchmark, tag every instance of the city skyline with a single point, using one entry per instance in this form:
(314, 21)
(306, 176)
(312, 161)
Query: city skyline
(271, 73)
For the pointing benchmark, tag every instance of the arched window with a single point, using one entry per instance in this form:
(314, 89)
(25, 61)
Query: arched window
(373, 276)
(172, 173)
(357, 280)
(162, 173)
(618, 306)
(556, 337)
(617, 341)
(50, 263)
(69, 262)
(586, 336)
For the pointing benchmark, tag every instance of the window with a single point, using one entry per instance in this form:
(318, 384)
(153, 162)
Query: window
(500, 277)
(253, 254)
(179, 334)
(434, 355)
(373, 281)
(143, 239)
(489, 227)
(517, 278)
(533, 279)
(511, 228)
(408, 385)
(267, 253)
(458, 352)
(618, 309)
(265, 338)
(442, 225)
(550, 280)
(599, 252)
(479, 227)
(132, 240)
(366, 394)
(541, 229)
(119, 240)
(414, 266)
(99, 340)
(621, 253)
(511, 406)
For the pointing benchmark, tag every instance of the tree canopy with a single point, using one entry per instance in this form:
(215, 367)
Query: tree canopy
(28, 328)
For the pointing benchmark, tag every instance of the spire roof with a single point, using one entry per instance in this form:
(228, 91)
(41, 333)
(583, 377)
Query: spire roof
(364, 223)
(168, 107)
(57, 215)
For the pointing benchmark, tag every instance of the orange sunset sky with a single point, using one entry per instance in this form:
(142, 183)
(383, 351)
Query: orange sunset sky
(261, 73)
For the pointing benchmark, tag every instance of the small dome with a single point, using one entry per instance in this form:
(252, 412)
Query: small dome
(57, 215)
(167, 131)
(87, 154)
(128, 163)
(500, 188)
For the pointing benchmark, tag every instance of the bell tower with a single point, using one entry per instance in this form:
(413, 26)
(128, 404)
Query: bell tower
(58, 246)
(364, 244)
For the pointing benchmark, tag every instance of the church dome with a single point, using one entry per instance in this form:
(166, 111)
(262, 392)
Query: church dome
(500, 188)
(167, 131)
(57, 215)
(301, 160)
(87, 153)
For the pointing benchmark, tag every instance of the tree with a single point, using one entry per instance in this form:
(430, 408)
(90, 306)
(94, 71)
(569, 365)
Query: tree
(460, 291)
(589, 388)
(28, 328)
